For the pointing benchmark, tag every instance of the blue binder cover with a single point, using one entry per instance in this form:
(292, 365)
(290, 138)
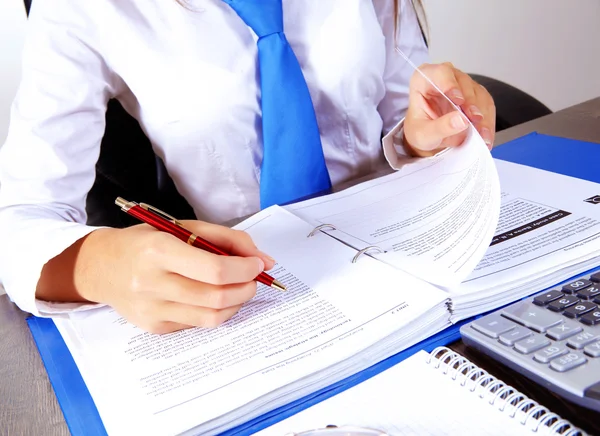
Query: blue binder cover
(550, 153)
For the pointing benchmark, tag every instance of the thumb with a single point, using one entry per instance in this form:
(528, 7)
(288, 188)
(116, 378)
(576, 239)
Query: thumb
(427, 134)
(232, 241)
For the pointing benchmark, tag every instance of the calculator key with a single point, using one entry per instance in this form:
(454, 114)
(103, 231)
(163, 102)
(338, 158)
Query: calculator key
(589, 293)
(531, 344)
(549, 353)
(575, 286)
(567, 362)
(516, 334)
(591, 318)
(579, 309)
(595, 277)
(542, 300)
(597, 299)
(582, 339)
(564, 330)
(592, 350)
(532, 316)
(563, 303)
(593, 391)
(493, 325)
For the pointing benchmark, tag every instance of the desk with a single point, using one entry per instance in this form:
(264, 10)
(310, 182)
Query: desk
(27, 402)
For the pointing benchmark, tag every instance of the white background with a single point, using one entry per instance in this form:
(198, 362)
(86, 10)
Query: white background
(548, 48)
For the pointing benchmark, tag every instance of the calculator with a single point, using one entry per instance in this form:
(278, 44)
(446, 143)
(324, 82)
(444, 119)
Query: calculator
(553, 338)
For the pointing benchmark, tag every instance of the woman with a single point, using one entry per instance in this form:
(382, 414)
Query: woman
(189, 74)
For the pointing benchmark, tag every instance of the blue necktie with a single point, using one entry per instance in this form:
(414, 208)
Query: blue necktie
(293, 164)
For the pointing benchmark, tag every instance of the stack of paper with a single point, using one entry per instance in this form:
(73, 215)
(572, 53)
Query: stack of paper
(336, 319)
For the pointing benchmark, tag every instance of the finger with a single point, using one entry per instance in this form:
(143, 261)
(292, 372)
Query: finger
(487, 126)
(196, 316)
(161, 327)
(429, 134)
(183, 290)
(471, 104)
(232, 241)
(442, 75)
(168, 253)
(148, 317)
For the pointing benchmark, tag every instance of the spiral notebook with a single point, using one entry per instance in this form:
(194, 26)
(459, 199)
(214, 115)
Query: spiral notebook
(437, 393)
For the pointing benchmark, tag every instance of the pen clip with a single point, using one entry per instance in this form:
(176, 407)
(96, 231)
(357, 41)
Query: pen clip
(160, 213)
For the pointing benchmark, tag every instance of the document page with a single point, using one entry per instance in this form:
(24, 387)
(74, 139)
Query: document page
(547, 222)
(410, 398)
(434, 218)
(333, 309)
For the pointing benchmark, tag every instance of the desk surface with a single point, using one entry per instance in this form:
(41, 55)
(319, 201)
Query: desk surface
(27, 402)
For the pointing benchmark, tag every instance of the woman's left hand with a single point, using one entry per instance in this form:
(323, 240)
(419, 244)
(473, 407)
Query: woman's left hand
(432, 124)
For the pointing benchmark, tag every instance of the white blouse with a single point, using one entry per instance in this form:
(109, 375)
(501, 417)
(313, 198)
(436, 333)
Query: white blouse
(189, 76)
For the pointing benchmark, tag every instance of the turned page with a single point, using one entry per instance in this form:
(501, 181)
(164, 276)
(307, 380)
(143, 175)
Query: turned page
(548, 222)
(434, 218)
(333, 309)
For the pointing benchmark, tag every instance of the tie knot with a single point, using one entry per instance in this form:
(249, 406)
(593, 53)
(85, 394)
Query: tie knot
(264, 17)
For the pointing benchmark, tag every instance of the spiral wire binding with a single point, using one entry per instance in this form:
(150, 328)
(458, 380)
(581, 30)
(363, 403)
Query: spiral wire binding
(506, 398)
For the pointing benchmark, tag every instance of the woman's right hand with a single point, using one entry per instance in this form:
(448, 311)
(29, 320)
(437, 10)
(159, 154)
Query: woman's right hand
(156, 281)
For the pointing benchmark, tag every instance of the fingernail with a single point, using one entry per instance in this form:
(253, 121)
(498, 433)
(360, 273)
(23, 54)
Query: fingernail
(474, 110)
(487, 137)
(455, 94)
(261, 264)
(266, 256)
(458, 122)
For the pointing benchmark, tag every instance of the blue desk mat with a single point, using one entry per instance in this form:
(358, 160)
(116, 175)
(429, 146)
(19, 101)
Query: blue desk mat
(550, 153)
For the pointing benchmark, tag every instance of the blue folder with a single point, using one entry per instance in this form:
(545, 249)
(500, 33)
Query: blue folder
(559, 155)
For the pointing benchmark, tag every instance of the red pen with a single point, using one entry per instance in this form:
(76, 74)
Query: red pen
(166, 223)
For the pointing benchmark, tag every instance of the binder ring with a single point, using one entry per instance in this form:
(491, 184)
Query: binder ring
(319, 228)
(364, 250)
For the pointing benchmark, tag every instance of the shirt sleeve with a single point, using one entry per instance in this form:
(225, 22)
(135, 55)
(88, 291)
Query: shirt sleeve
(47, 164)
(404, 32)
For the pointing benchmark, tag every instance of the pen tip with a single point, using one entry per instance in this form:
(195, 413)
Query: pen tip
(121, 202)
(278, 285)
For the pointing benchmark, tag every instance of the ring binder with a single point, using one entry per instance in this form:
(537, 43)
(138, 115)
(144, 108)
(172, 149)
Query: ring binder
(319, 228)
(360, 252)
(364, 250)
(506, 398)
